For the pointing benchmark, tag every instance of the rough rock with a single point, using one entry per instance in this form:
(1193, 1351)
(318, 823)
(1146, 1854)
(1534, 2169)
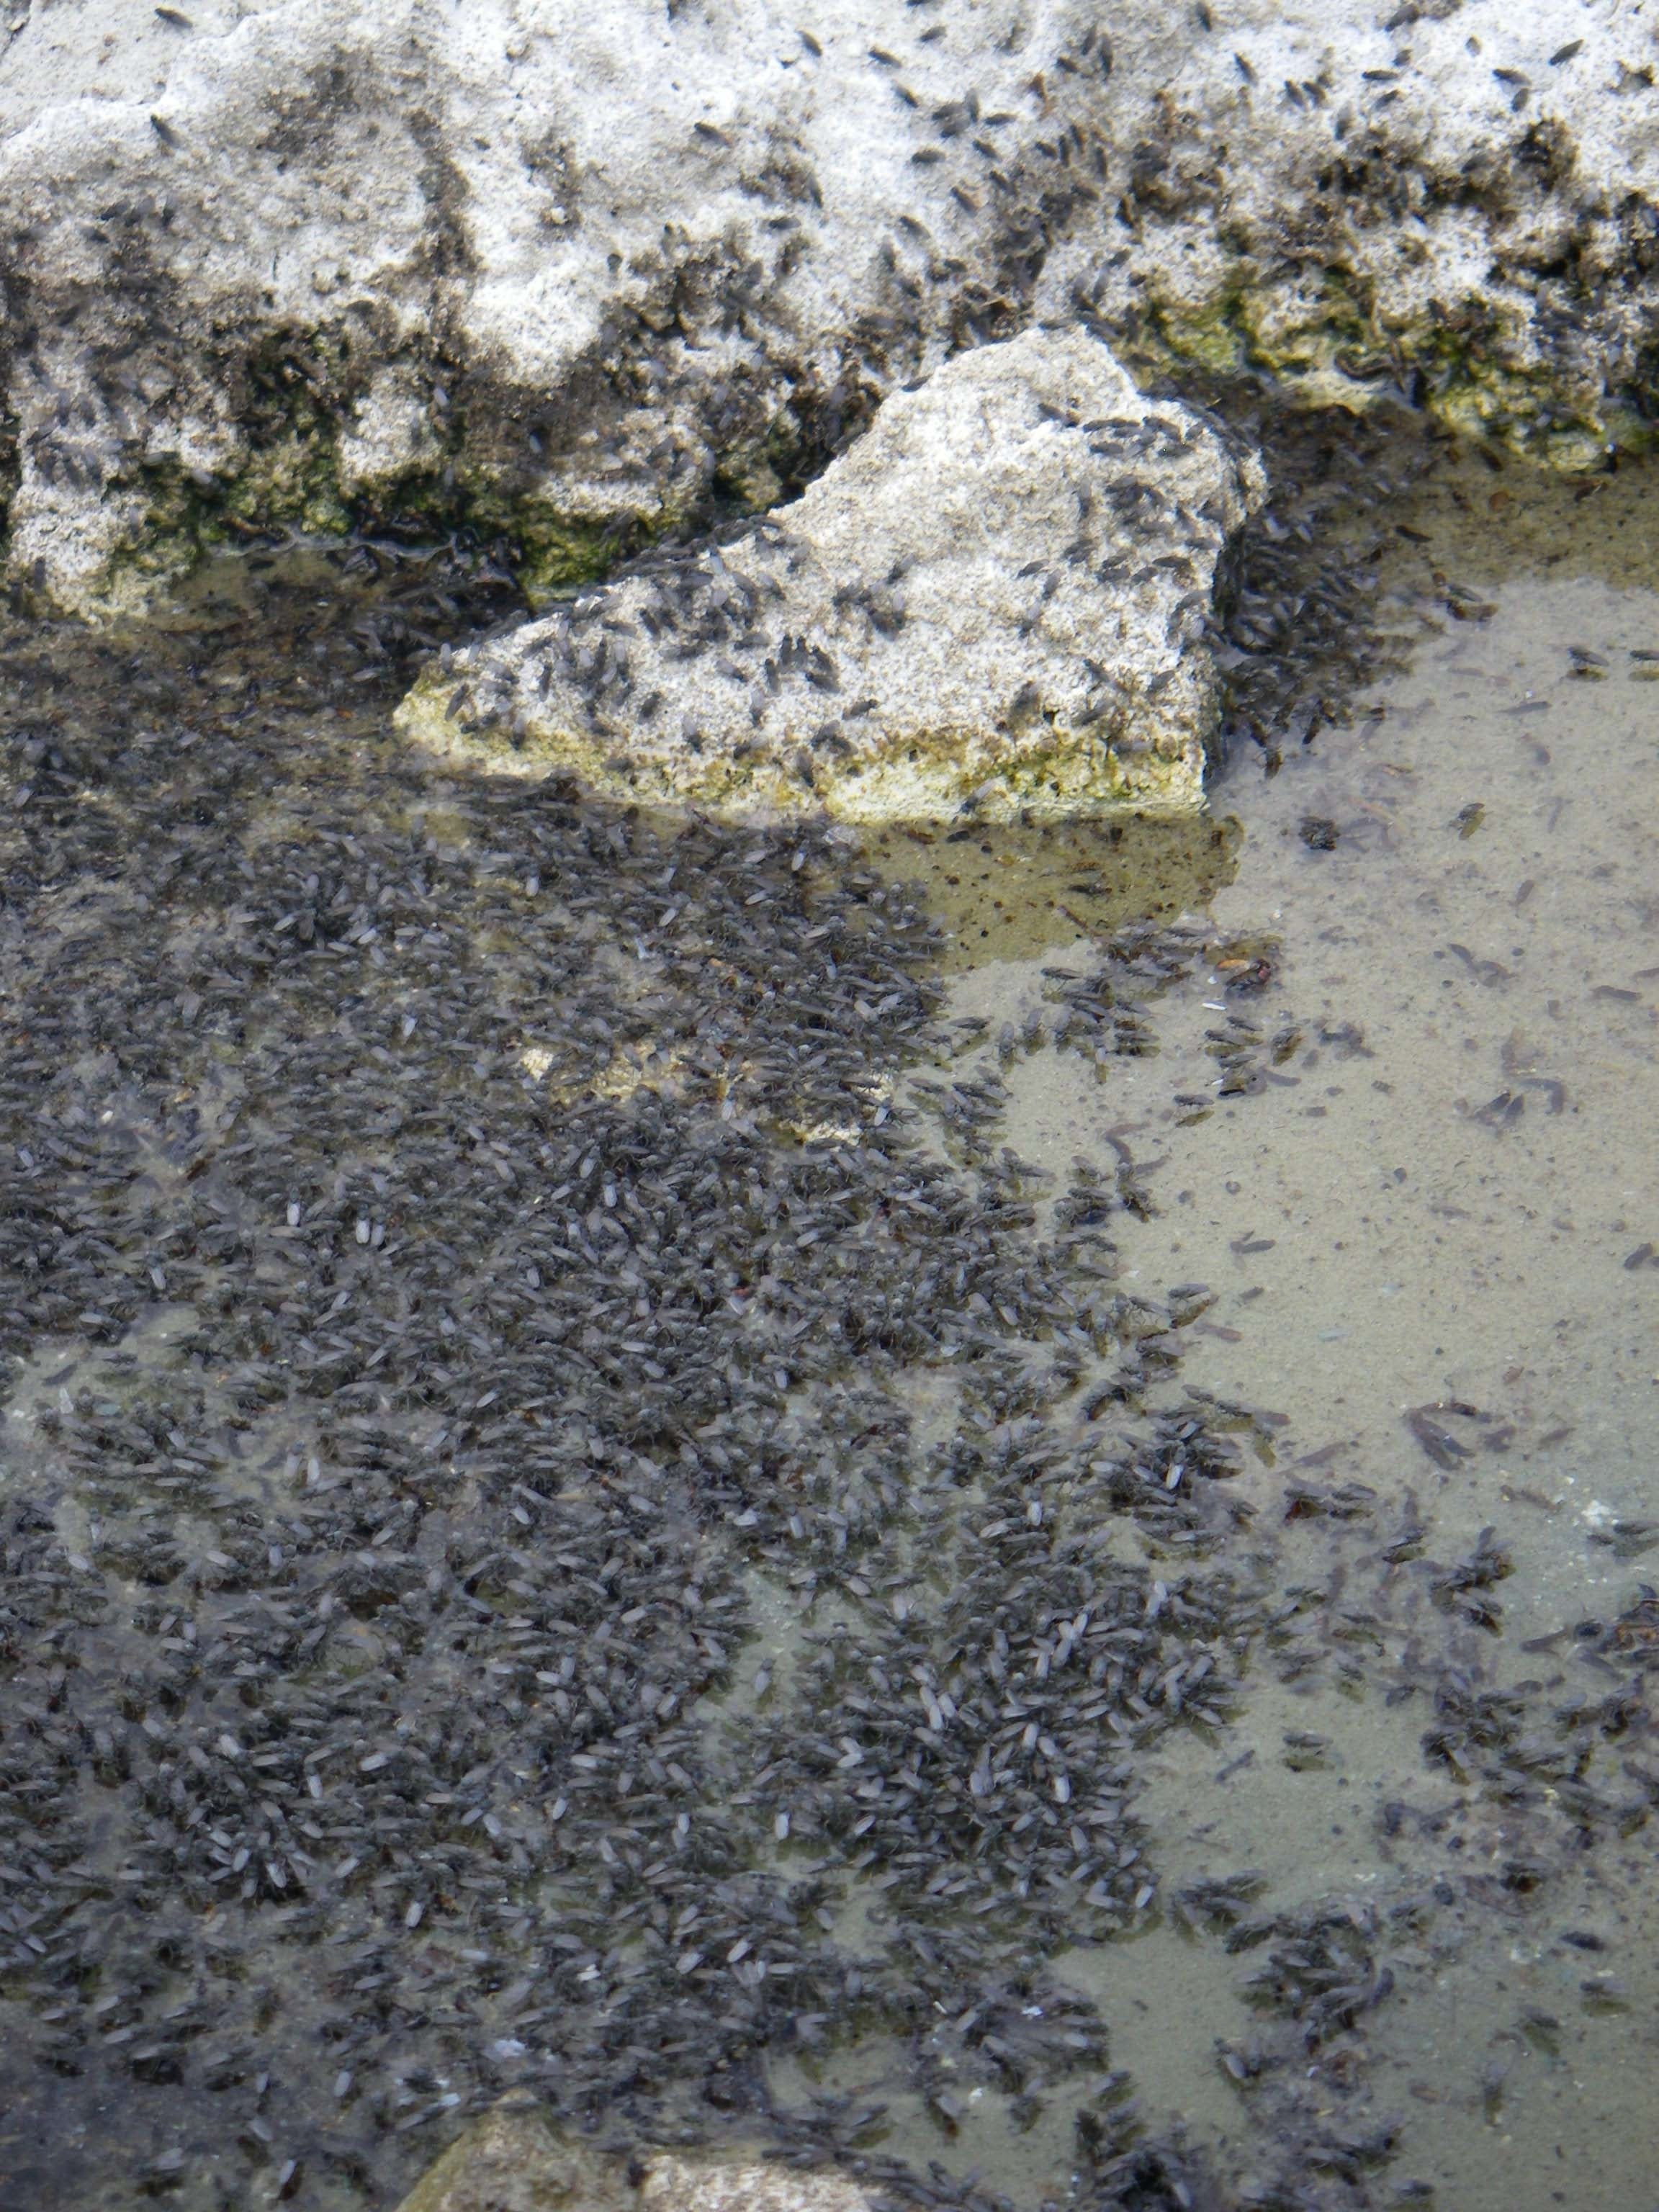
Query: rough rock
(584, 274)
(993, 603)
(511, 2160)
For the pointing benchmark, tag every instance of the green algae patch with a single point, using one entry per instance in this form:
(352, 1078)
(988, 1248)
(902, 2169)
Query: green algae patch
(555, 552)
(558, 556)
(1326, 347)
(292, 487)
(294, 481)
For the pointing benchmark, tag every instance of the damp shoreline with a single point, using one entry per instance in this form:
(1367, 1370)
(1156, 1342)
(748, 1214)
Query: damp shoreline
(980, 1515)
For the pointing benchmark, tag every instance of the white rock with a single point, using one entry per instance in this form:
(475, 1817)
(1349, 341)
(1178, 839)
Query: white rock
(993, 603)
(511, 2160)
(650, 259)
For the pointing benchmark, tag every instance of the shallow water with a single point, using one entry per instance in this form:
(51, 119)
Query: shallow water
(1436, 1186)
(827, 1512)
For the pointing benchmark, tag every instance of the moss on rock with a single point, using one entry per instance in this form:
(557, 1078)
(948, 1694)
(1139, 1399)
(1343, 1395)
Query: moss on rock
(1327, 348)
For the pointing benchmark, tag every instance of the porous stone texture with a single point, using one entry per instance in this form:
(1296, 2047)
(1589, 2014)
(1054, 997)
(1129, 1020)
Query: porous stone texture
(511, 2160)
(991, 605)
(583, 272)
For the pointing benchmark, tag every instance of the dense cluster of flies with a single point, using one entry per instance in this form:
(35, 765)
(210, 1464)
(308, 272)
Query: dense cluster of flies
(470, 1261)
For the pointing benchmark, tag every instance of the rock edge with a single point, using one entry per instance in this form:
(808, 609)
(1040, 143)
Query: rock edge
(992, 607)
